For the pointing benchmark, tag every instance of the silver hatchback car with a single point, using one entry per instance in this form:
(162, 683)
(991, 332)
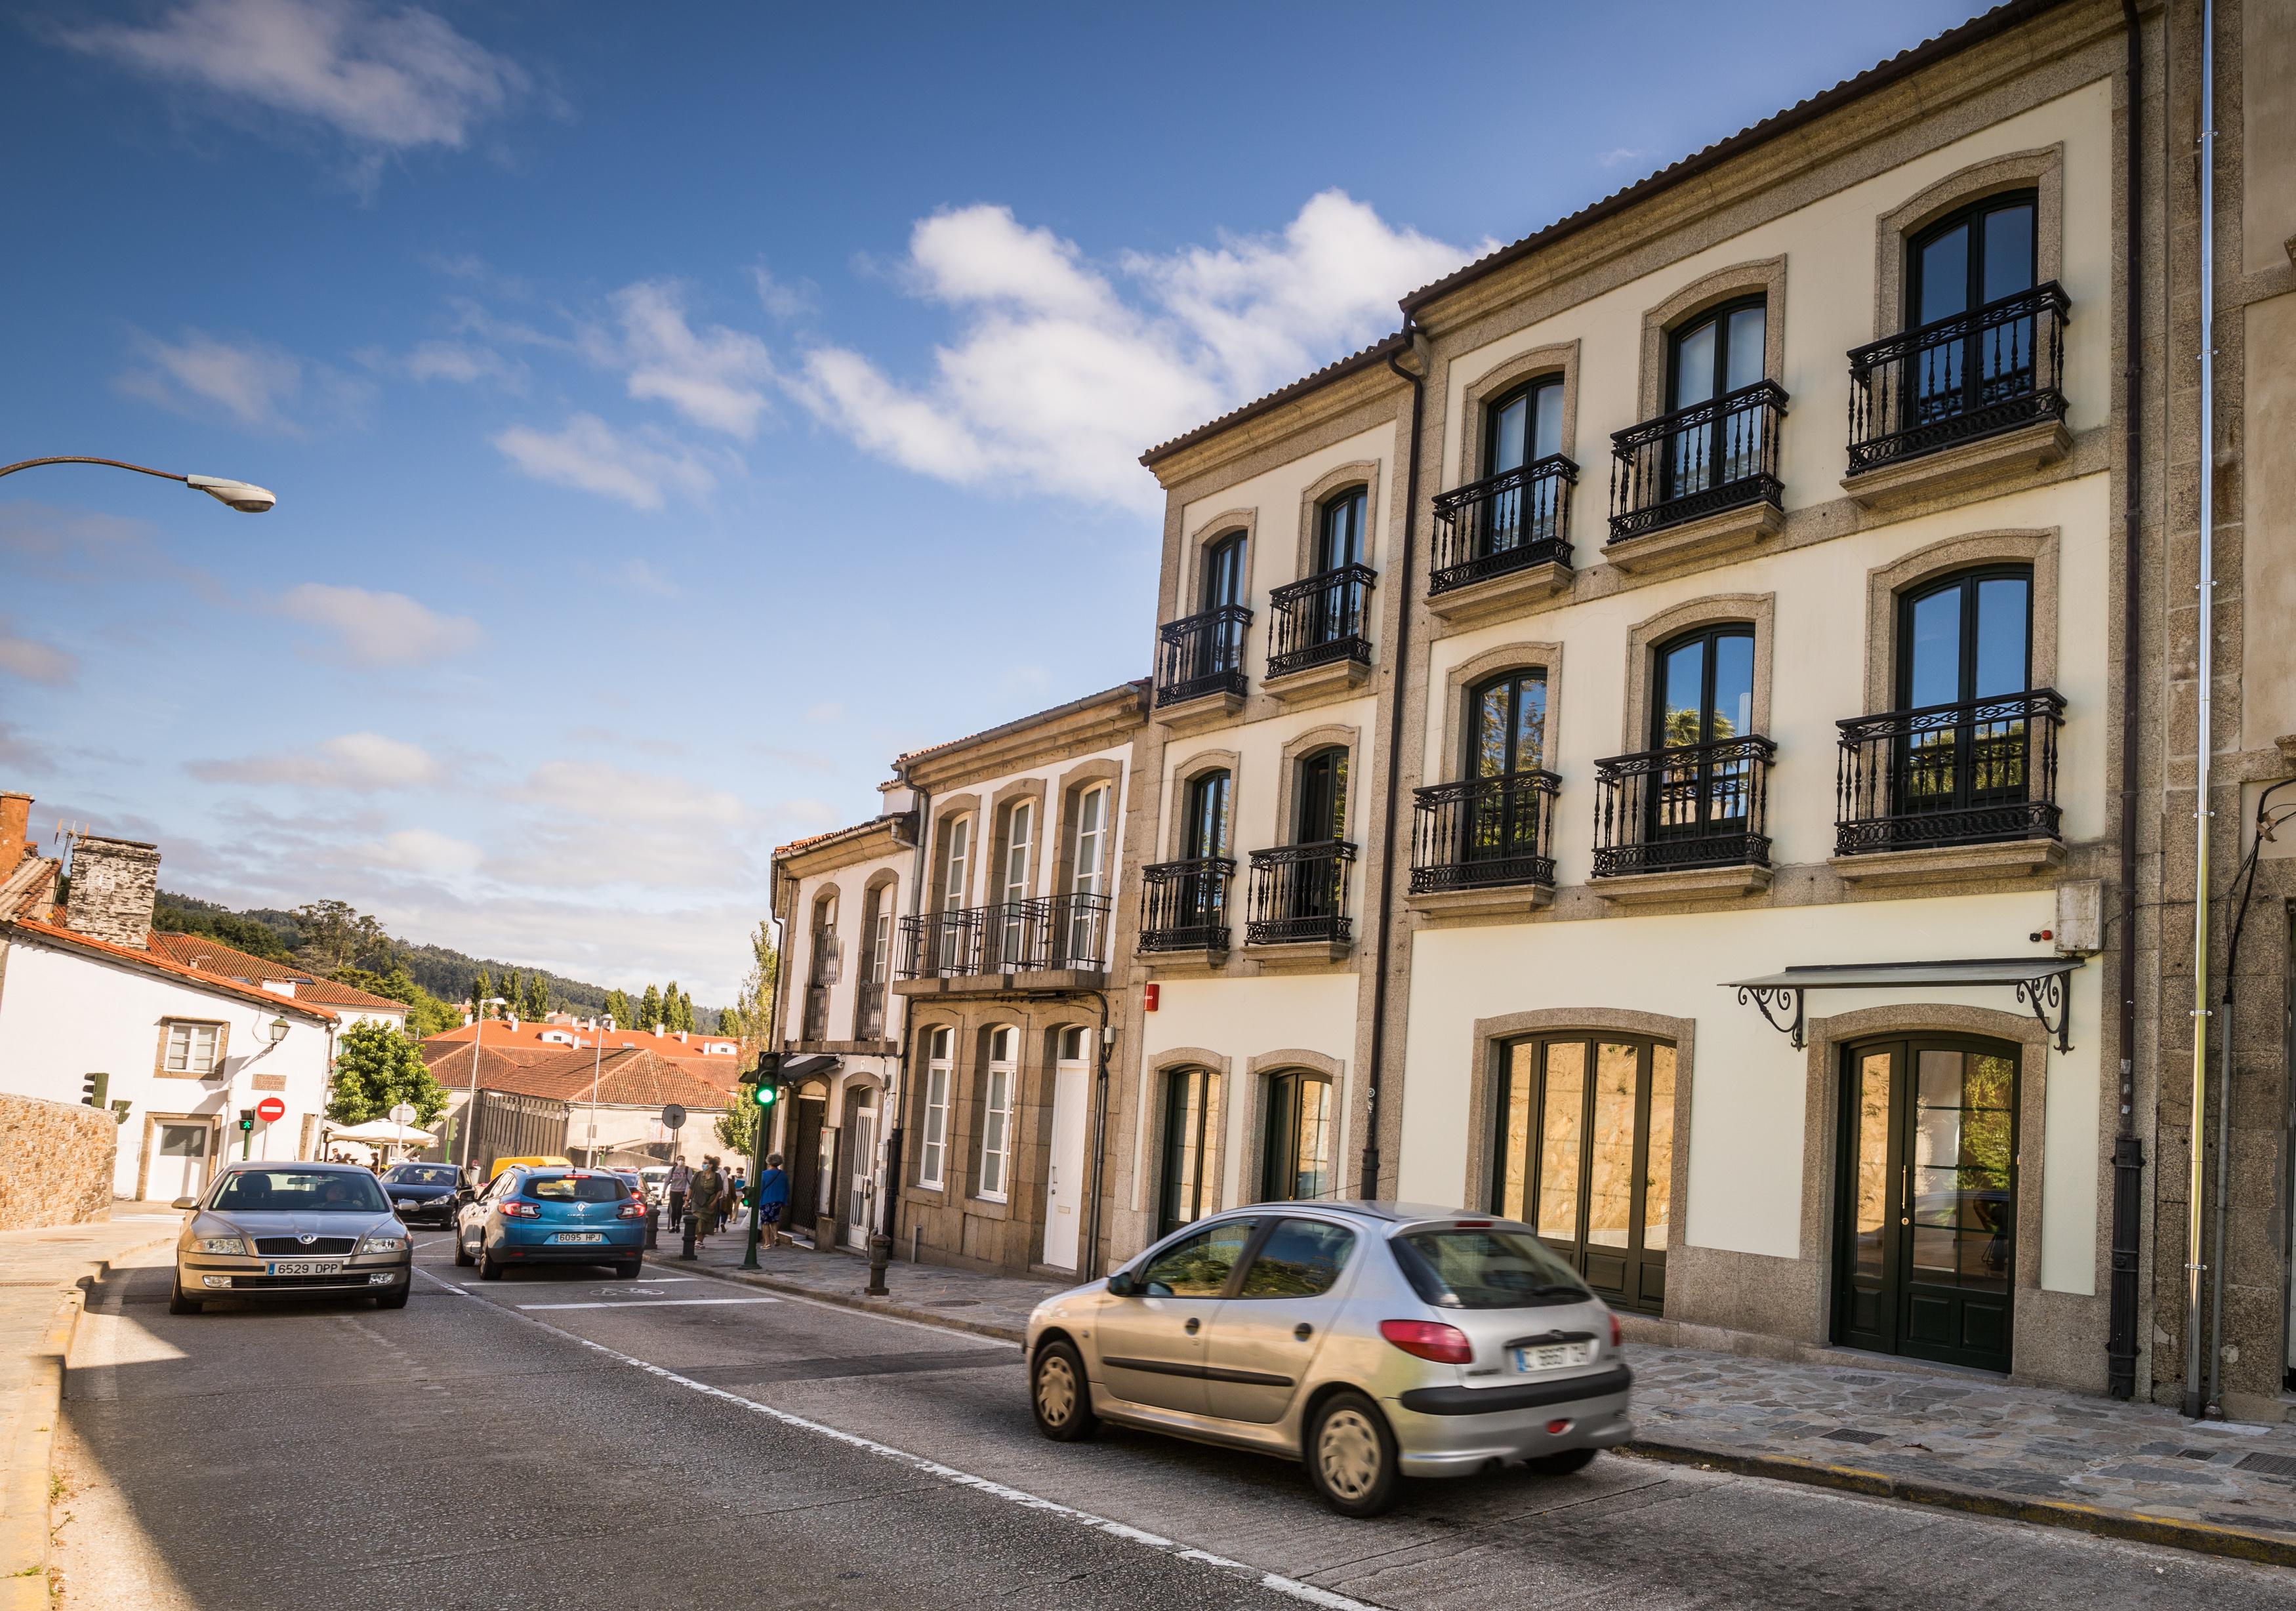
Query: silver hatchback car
(1371, 1341)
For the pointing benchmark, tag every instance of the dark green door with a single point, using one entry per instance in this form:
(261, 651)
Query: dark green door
(1927, 1237)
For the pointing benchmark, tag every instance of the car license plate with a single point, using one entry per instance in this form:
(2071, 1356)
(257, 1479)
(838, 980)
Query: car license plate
(1553, 1356)
(580, 1236)
(303, 1267)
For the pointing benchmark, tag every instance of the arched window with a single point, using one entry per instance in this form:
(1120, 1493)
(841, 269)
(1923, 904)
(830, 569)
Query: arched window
(1966, 638)
(1296, 1161)
(1979, 256)
(1523, 426)
(1223, 572)
(1703, 689)
(932, 1125)
(1204, 822)
(1340, 530)
(997, 1085)
(1494, 826)
(1093, 831)
(1185, 1191)
(1506, 724)
(1718, 353)
(1020, 935)
(1320, 797)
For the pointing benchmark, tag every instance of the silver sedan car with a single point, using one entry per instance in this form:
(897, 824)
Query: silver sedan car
(1371, 1341)
(290, 1230)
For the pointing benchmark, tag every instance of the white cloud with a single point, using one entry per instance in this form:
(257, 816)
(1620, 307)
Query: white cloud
(589, 455)
(34, 661)
(258, 383)
(645, 578)
(364, 761)
(388, 79)
(1619, 154)
(711, 376)
(781, 298)
(461, 363)
(1063, 371)
(379, 628)
(828, 712)
(607, 793)
(421, 850)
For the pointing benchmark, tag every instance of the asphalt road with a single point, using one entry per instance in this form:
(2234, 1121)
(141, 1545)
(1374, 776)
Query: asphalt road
(564, 1438)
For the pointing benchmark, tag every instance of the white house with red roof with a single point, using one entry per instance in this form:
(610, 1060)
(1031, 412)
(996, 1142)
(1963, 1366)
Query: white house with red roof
(91, 1010)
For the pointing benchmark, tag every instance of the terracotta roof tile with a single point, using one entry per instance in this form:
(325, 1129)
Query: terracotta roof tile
(219, 984)
(209, 955)
(529, 1033)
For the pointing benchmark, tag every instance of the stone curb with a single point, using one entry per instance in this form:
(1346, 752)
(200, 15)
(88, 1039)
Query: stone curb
(853, 1300)
(2133, 1526)
(24, 1520)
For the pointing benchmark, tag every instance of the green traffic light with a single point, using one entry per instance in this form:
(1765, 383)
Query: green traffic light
(766, 1096)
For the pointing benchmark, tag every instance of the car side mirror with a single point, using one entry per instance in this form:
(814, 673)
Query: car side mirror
(1122, 1285)
(185, 1202)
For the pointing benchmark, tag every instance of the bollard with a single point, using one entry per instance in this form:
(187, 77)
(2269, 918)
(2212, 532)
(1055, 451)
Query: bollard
(692, 1223)
(881, 1253)
(653, 1226)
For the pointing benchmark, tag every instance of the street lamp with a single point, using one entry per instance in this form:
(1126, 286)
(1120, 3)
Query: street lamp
(471, 1101)
(277, 1030)
(244, 496)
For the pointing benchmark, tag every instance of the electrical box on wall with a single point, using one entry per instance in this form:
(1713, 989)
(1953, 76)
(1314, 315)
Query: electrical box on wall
(2080, 918)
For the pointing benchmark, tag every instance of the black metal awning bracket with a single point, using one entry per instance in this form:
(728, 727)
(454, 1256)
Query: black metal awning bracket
(2044, 993)
(1764, 996)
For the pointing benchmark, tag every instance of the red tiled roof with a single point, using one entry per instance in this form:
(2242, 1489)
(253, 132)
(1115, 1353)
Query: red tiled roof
(499, 1032)
(216, 983)
(623, 1079)
(211, 955)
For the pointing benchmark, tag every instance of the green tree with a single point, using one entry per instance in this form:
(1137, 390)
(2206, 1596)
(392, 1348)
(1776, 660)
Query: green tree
(512, 988)
(481, 988)
(337, 934)
(737, 1127)
(754, 1011)
(649, 1008)
(677, 1008)
(537, 995)
(426, 1014)
(729, 1022)
(377, 1067)
(618, 1008)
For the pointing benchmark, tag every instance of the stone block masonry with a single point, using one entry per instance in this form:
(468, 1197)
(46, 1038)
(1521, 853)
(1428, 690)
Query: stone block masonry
(55, 1163)
(114, 885)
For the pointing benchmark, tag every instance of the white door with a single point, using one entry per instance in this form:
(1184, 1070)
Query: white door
(1065, 1189)
(181, 1168)
(860, 1216)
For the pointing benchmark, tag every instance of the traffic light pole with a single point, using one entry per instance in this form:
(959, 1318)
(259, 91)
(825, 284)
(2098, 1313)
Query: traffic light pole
(767, 1092)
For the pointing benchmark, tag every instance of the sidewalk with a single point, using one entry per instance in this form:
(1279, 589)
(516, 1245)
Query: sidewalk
(1957, 1439)
(40, 1297)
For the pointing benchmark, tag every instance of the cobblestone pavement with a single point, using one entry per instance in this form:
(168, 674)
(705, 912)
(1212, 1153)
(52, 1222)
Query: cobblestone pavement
(1943, 1429)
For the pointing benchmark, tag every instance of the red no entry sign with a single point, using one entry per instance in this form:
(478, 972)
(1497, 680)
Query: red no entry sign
(271, 1110)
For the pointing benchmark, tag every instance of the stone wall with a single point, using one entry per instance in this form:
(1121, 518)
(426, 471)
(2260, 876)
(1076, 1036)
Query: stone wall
(114, 885)
(55, 1163)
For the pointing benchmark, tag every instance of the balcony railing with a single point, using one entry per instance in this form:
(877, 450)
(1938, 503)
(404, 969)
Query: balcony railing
(1184, 905)
(869, 1012)
(1975, 374)
(1483, 832)
(1697, 460)
(1949, 774)
(1299, 893)
(816, 1013)
(1200, 654)
(1510, 522)
(1685, 805)
(1068, 932)
(1321, 619)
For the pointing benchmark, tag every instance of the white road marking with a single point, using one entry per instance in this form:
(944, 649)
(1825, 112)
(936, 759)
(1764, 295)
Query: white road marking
(1276, 1581)
(655, 1302)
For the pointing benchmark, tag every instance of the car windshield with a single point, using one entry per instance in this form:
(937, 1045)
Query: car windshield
(577, 1189)
(420, 1174)
(300, 1191)
(1485, 1268)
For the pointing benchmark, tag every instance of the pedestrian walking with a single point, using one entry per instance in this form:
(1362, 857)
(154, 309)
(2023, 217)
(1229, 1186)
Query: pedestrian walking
(773, 1197)
(703, 1200)
(679, 1183)
(734, 1200)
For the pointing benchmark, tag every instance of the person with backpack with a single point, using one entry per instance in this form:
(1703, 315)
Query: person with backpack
(773, 1198)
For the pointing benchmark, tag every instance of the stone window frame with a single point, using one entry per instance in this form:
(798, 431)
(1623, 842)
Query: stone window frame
(1645, 638)
(976, 1128)
(151, 1123)
(1827, 1038)
(1000, 816)
(1361, 472)
(1213, 1167)
(1070, 789)
(848, 1084)
(1331, 735)
(1489, 1039)
(1186, 771)
(1192, 582)
(1258, 1071)
(2037, 546)
(1763, 275)
(938, 1188)
(1556, 358)
(823, 963)
(1462, 680)
(222, 1026)
(2041, 171)
(880, 897)
(945, 815)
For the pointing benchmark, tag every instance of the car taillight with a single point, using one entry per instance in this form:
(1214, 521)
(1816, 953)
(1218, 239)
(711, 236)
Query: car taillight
(1618, 1337)
(1429, 1340)
(513, 1209)
(633, 1211)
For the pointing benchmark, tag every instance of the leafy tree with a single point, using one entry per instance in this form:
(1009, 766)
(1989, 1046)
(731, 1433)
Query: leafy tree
(426, 1014)
(481, 987)
(729, 1021)
(339, 934)
(754, 1011)
(511, 987)
(359, 979)
(537, 995)
(618, 1008)
(377, 1067)
(649, 1008)
(737, 1127)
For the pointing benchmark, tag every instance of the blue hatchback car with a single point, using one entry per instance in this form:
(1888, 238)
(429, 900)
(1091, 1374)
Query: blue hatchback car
(551, 1216)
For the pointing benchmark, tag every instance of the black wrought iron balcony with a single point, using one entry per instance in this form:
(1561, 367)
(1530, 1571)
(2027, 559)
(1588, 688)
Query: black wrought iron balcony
(1685, 805)
(869, 1012)
(1949, 774)
(1184, 905)
(1697, 460)
(1200, 654)
(1510, 522)
(816, 1013)
(1483, 832)
(1299, 893)
(1321, 619)
(1975, 374)
(1047, 933)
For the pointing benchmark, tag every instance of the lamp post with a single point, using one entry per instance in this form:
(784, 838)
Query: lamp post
(244, 496)
(471, 1101)
(597, 1063)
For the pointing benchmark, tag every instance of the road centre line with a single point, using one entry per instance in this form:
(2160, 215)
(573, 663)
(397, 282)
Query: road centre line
(656, 1303)
(1290, 1587)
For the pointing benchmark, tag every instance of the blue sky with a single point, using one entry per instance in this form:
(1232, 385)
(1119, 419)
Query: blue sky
(677, 411)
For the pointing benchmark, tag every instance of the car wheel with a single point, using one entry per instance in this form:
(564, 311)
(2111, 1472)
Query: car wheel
(1351, 1455)
(1561, 1463)
(1058, 1393)
(397, 1300)
(630, 1268)
(178, 1304)
(490, 1270)
(463, 1251)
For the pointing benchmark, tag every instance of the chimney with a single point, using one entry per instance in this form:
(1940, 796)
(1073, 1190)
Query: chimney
(15, 828)
(114, 885)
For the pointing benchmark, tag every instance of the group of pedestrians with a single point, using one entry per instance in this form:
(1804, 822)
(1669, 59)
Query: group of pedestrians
(710, 1197)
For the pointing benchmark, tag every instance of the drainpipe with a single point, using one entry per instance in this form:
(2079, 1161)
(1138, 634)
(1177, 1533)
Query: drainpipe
(881, 1245)
(1089, 1266)
(2205, 702)
(1367, 1171)
(2128, 1150)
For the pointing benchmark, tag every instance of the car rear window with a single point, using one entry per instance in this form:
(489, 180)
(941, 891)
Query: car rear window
(420, 1175)
(577, 1189)
(1485, 1269)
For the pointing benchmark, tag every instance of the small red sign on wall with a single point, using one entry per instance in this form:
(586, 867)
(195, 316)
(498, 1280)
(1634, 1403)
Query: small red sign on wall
(271, 1110)
(1148, 994)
